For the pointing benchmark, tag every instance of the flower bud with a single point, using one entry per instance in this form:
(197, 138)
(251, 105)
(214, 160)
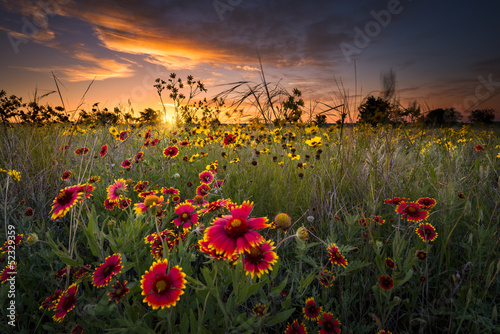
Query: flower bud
(32, 239)
(302, 234)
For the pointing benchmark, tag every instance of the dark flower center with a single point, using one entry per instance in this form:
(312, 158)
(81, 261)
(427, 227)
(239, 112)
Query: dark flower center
(107, 270)
(198, 199)
(412, 210)
(236, 228)
(185, 217)
(255, 255)
(64, 197)
(162, 284)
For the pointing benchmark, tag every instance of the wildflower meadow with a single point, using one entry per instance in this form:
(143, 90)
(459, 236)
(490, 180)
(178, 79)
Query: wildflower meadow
(249, 228)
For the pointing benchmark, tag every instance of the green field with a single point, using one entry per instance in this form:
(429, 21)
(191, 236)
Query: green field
(369, 265)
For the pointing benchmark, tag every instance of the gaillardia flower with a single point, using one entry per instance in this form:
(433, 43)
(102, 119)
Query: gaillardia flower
(103, 151)
(65, 303)
(51, 301)
(296, 328)
(117, 190)
(426, 203)
(426, 232)
(171, 151)
(395, 200)
(235, 233)
(412, 211)
(119, 291)
(259, 259)
(327, 324)
(65, 200)
(162, 289)
(150, 201)
(111, 267)
(187, 216)
(312, 311)
(8, 272)
(386, 282)
(206, 177)
(259, 310)
(421, 255)
(336, 257)
(389, 263)
(66, 175)
(326, 278)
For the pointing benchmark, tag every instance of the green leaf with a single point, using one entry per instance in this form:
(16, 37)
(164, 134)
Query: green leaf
(409, 274)
(66, 259)
(275, 269)
(277, 290)
(184, 325)
(193, 322)
(280, 317)
(305, 282)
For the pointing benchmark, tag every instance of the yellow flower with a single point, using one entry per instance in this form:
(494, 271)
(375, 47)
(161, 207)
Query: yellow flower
(314, 142)
(234, 160)
(312, 129)
(113, 130)
(294, 156)
(14, 173)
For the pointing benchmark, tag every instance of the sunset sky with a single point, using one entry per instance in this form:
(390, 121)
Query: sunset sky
(444, 53)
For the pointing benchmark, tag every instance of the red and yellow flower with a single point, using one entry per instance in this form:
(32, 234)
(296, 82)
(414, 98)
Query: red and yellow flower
(171, 151)
(259, 259)
(296, 327)
(103, 151)
(119, 291)
(66, 302)
(187, 216)
(162, 289)
(336, 257)
(386, 282)
(65, 200)
(312, 311)
(9, 271)
(328, 325)
(150, 201)
(235, 233)
(426, 202)
(426, 232)
(117, 190)
(103, 274)
(412, 211)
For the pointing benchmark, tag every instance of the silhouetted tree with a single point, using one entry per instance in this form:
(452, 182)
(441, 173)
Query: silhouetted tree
(482, 116)
(9, 107)
(374, 111)
(149, 116)
(440, 117)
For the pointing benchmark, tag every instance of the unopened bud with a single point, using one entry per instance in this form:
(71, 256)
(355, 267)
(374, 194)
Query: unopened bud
(302, 234)
(32, 239)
